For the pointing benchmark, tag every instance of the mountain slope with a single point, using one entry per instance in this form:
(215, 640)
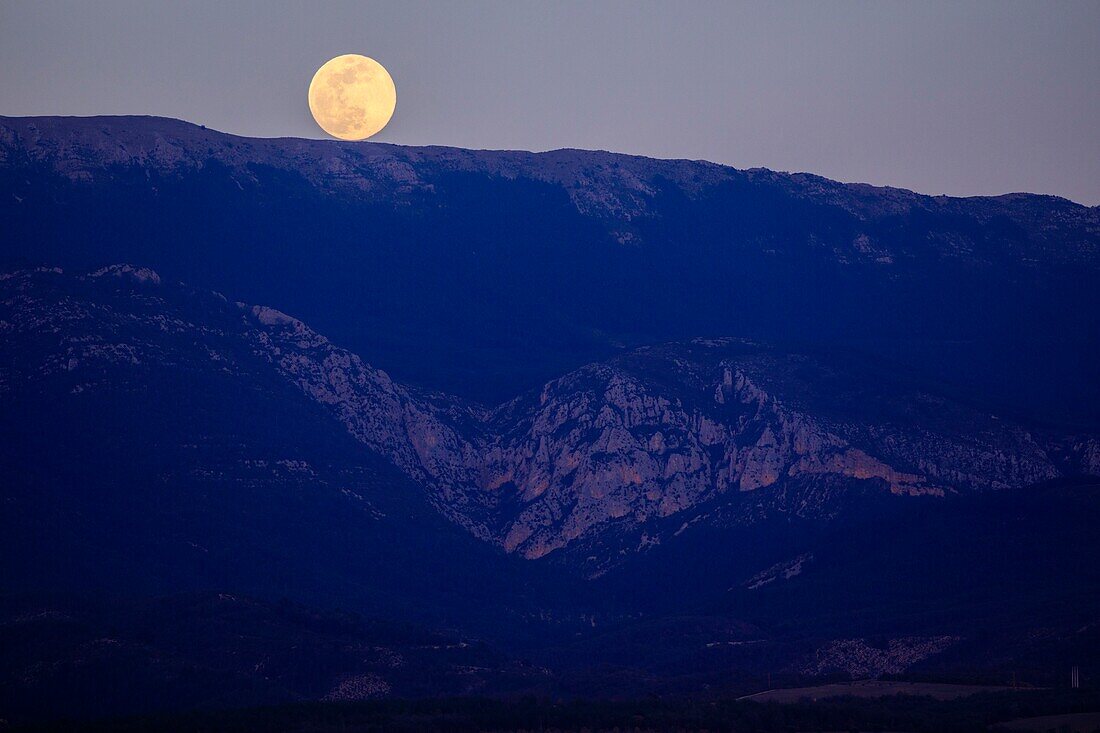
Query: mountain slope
(728, 431)
(605, 461)
(603, 185)
(151, 447)
(486, 273)
(127, 656)
(970, 588)
(161, 439)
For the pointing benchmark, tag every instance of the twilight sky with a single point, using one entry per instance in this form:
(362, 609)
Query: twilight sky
(979, 97)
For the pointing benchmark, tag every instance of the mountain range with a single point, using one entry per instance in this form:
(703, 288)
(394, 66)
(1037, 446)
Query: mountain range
(598, 424)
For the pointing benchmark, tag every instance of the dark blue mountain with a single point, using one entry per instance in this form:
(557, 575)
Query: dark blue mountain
(484, 273)
(571, 423)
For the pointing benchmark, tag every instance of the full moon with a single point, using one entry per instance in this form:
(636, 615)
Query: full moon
(352, 97)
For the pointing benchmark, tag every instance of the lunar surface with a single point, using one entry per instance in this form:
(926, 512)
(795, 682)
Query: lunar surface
(352, 97)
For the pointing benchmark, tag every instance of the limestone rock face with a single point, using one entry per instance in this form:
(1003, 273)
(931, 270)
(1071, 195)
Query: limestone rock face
(620, 447)
(421, 436)
(665, 430)
(597, 446)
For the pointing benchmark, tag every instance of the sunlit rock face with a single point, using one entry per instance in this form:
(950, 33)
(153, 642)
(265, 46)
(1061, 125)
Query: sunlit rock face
(623, 446)
(598, 446)
(664, 430)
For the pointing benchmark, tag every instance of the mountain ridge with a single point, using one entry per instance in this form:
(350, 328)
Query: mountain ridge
(160, 121)
(507, 162)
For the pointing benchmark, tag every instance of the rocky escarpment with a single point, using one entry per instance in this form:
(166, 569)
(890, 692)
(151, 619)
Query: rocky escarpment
(433, 440)
(667, 429)
(631, 442)
(623, 445)
(643, 446)
(87, 327)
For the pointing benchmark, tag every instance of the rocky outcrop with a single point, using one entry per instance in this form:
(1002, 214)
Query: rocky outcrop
(667, 429)
(421, 438)
(360, 687)
(623, 445)
(780, 571)
(861, 660)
